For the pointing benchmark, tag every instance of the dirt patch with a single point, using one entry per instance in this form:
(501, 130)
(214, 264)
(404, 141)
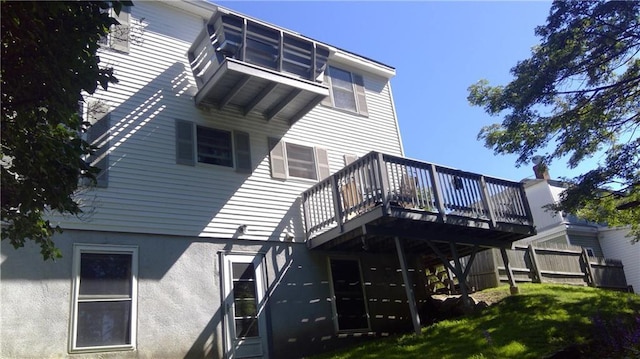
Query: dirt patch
(490, 296)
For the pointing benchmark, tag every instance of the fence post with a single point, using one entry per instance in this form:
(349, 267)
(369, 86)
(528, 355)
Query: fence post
(534, 263)
(495, 266)
(587, 267)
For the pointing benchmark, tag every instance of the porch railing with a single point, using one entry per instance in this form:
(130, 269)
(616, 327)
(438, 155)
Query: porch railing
(388, 181)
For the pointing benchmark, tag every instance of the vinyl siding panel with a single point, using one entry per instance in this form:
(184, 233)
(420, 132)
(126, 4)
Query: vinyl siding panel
(587, 242)
(615, 244)
(149, 193)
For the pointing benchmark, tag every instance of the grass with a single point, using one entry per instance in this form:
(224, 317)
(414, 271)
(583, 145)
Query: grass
(538, 322)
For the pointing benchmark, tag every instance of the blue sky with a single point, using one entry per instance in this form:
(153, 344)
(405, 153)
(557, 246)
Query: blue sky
(438, 48)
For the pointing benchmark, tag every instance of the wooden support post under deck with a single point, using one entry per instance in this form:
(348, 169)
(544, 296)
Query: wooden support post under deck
(462, 278)
(408, 286)
(535, 264)
(507, 267)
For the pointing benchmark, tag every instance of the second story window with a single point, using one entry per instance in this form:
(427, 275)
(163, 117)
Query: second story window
(347, 91)
(118, 37)
(212, 146)
(299, 161)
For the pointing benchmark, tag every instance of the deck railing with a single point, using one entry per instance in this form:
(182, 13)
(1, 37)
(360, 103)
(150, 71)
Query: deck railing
(389, 181)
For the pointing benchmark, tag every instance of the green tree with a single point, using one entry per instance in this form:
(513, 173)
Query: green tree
(576, 97)
(48, 60)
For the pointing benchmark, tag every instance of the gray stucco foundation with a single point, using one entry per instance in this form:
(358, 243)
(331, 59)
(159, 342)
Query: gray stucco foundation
(179, 297)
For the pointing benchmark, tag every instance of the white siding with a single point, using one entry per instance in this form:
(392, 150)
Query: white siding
(149, 193)
(616, 245)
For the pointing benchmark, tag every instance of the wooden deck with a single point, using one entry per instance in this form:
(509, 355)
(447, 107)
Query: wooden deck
(430, 208)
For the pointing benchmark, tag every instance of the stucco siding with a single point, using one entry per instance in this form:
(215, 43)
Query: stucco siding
(179, 297)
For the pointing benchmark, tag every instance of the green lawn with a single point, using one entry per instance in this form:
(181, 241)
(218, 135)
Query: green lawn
(539, 321)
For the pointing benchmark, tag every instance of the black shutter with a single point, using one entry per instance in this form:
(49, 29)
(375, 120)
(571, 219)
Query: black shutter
(242, 152)
(184, 143)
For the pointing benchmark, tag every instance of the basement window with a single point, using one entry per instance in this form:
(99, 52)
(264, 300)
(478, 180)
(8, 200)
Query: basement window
(104, 298)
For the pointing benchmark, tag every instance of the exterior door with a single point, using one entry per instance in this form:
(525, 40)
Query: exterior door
(244, 304)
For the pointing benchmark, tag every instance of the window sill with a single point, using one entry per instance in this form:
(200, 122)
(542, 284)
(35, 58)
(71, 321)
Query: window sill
(103, 349)
(354, 113)
(211, 165)
(302, 180)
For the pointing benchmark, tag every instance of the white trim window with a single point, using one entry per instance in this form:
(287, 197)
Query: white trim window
(104, 298)
(347, 91)
(298, 161)
(118, 37)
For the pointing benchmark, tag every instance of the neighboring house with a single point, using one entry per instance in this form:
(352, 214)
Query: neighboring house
(224, 222)
(598, 240)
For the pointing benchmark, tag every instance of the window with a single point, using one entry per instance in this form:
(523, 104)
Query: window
(212, 146)
(301, 161)
(590, 252)
(104, 298)
(262, 46)
(294, 160)
(118, 38)
(347, 91)
(245, 300)
(349, 301)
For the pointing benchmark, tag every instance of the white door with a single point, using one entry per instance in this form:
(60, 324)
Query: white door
(244, 305)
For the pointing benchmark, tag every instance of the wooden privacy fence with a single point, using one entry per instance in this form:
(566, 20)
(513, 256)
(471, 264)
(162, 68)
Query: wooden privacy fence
(548, 263)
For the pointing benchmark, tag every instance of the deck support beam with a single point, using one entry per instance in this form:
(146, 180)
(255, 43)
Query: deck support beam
(456, 268)
(512, 282)
(408, 286)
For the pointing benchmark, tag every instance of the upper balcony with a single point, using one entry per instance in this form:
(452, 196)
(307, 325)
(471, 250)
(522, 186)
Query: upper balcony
(379, 197)
(254, 67)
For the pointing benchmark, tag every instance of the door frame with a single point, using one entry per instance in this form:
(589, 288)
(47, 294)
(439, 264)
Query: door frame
(231, 343)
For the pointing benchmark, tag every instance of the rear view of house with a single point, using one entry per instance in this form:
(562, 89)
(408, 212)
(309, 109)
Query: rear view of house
(253, 201)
